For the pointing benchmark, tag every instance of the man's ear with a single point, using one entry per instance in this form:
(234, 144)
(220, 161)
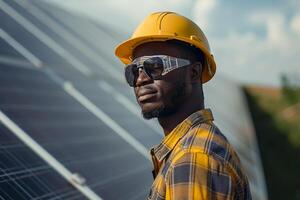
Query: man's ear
(196, 72)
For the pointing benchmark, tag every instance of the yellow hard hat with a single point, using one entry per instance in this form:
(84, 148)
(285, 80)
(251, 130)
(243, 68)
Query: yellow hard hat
(162, 26)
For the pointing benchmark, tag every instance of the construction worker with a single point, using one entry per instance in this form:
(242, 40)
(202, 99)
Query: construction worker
(167, 60)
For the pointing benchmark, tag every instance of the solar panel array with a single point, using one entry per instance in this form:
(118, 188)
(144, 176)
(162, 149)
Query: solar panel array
(70, 127)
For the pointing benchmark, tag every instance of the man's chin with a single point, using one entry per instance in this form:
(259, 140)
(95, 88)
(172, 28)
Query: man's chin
(151, 114)
(159, 112)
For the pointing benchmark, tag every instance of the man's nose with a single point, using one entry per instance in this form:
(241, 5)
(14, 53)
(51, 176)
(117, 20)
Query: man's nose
(142, 78)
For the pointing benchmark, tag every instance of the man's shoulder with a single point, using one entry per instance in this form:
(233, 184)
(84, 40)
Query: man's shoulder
(206, 138)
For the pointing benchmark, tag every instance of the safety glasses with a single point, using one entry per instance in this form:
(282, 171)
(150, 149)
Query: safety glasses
(154, 67)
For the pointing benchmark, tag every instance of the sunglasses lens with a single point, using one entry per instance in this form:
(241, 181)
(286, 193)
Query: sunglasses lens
(131, 72)
(154, 67)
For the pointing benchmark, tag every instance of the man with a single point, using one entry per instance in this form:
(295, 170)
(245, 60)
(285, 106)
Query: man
(167, 60)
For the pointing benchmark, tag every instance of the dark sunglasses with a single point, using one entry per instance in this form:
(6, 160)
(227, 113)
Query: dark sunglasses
(154, 67)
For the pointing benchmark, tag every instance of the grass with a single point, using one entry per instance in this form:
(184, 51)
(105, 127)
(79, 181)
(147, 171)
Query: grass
(277, 125)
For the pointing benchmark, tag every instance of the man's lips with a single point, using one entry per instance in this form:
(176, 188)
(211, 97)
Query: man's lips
(145, 94)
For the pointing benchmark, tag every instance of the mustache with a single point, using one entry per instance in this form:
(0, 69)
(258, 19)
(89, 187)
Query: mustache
(147, 87)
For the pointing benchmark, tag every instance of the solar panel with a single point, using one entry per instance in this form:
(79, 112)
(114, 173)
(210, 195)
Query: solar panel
(24, 175)
(7, 50)
(69, 131)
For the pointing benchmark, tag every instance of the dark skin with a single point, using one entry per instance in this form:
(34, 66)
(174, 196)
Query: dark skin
(155, 94)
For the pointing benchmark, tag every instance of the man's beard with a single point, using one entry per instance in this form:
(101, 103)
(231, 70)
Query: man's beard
(166, 110)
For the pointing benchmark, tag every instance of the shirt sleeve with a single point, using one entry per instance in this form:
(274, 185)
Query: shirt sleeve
(200, 176)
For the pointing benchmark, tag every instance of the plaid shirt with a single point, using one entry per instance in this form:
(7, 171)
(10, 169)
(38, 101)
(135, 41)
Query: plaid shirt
(195, 161)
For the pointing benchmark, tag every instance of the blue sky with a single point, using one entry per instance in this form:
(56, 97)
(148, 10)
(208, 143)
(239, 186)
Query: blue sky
(253, 41)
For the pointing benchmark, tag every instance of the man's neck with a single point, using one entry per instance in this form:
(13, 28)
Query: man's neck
(168, 123)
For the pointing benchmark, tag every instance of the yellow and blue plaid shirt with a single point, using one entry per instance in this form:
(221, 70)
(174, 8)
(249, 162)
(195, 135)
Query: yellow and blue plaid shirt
(195, 161)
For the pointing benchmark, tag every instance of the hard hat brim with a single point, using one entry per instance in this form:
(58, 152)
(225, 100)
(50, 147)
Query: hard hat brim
(124, 51)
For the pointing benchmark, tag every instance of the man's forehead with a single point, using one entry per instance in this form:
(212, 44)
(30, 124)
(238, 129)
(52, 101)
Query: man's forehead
(157, 48)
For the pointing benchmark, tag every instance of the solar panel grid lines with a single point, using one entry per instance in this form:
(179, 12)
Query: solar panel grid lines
(9, 108)
(30, 27)
(70, 38)
(136, 126)
(8, 52)
(34, 60)
(27, 39)
(99, 113)
(90, 159)
(22, 84)
(151, 126)
(18, 178)
(106, 119)
(67, 39)
(129, 187)
(13, 61)
(26, 171)
(100, 38)
(39, 150)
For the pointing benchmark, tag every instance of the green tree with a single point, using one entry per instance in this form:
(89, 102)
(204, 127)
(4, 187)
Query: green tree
(290, 88)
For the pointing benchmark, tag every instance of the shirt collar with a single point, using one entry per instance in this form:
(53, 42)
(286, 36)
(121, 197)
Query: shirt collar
(168, 143)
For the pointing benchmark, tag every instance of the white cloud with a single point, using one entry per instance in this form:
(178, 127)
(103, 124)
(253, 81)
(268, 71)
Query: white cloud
(251, 58)
(274, 24)
(295, 24)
